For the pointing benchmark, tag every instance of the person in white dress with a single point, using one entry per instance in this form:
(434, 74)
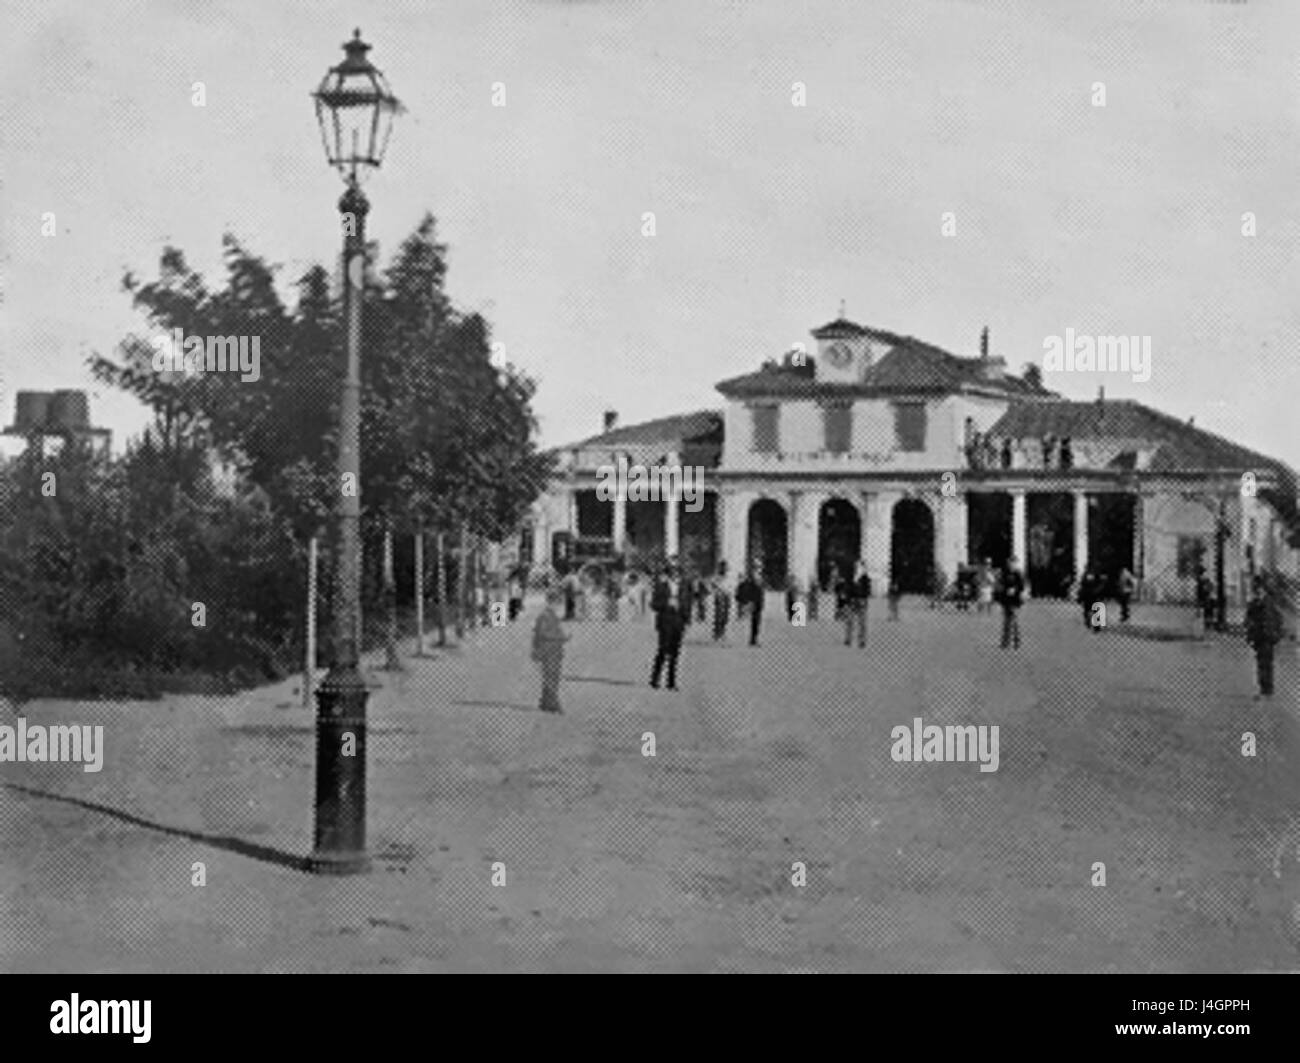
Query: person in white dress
(985, 600)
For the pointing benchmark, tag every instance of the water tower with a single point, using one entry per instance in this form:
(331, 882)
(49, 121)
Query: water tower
(63, 414)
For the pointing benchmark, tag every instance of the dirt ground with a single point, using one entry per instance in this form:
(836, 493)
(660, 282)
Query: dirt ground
(1114, 749)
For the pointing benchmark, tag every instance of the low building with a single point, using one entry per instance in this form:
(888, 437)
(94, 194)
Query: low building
(885, 448)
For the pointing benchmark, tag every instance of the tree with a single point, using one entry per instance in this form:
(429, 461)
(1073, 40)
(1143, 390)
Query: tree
(447, 439)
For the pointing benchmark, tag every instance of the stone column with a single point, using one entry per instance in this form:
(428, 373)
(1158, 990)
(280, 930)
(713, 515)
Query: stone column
(877, 512)
(672, 508)
(1080, 533)
(620, 513)
(1018, 529)
(1246, 504)
(803, 534)
(954, 531)
(720, 529)
(736, 538)
(1140, 544)
(791, 502)
(573, 509)
(542, 538)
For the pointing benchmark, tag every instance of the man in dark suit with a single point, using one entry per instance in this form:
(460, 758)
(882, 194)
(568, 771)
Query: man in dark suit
(671, 604)
(1090, 595)
(749, 595)
(1011, 595)
(1264, 631)
(855, 592)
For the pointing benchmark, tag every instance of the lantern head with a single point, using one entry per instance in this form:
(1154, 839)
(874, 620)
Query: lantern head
(355, 109)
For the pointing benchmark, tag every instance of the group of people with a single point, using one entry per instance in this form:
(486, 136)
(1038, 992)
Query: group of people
(974, 586)
(676, 600)
(986, 585)
(1093, 592)
(675, 596)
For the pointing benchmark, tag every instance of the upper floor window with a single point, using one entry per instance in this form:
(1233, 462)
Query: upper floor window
(767, 437)
(909, 425)
(839, 427)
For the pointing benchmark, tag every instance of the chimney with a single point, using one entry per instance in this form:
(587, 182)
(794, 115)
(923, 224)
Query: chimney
(984, 343)
(611, 420)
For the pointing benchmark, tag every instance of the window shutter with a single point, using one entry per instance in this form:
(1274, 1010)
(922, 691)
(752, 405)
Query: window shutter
(766, 434)
(909, 425)
(839, 428)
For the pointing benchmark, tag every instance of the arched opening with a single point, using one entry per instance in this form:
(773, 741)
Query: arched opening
(1112, 520)
(839, 541)
(911, 549)
(698, 535)
(768, 532)
(595, 516)
(643, 535)
(988, 535)
(1050, 543)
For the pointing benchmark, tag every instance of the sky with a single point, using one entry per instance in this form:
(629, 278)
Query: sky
(1122, 219)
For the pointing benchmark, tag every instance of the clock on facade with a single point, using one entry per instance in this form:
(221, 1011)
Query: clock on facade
(839, 355)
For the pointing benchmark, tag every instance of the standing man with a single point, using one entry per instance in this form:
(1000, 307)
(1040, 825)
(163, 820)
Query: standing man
(1263, 633)
(749, 596)
(515, 590)
(1205, 596)
(857, 593)
(1089, 595)
(1126, 588)
(570, 596)
(613, 592)
(1011, 596)
(895, 596)
(722, 592)
(700, 594)
(671, 604)
(791, 596)
(548, 650)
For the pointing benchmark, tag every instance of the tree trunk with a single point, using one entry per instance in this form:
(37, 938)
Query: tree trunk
(419, 589)
(442, 591)
(392, 662)
(476, 617)
(461, 581)
(309, 660)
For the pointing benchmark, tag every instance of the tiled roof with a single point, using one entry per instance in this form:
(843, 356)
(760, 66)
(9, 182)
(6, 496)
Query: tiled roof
(670, 431)
(1181, 447)
(911, 366)
(838, 328)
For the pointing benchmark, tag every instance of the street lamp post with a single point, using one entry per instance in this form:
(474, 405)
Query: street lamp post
(355, 108)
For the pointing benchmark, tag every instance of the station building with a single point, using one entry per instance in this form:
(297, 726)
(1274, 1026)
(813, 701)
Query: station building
(881, 447)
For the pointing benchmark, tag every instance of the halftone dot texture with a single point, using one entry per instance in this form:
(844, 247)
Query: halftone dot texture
(1118, 748)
